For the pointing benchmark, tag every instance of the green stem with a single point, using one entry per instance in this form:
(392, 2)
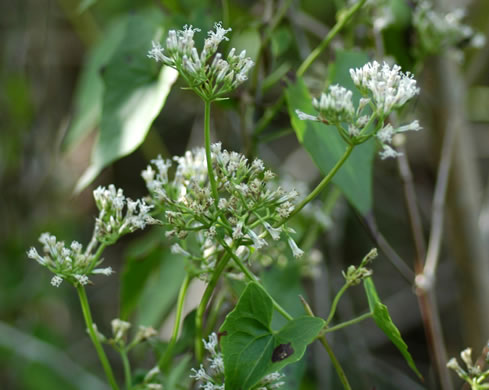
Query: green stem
(253, 278)
(127, 368)
(207, 134)
(93, 336)
(335, 303)
(176, 326)
(344, 19)
(324, 342)
(323, 183)
(221, 265)
(349, 322)
(336, 363)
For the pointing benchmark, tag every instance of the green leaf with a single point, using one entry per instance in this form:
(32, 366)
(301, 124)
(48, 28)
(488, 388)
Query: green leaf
(134, 93)
(251, 349)
(384, 322)
(142, 259)
(151, 271)
(326, 146)
(90, 87)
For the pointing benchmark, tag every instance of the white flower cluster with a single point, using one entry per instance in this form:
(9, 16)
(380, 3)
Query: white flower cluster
(208, 73)
(437, 31)
(336, 105)
(473, 373)
(389, 87)
(70, 264)
(212, 377)
(384, 89)
(386, 133)
(248, 209)
(119, 215)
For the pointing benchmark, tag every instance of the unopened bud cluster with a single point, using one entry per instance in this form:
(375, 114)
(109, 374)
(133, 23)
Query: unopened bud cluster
(208, 73)
(437, 31)
(472, 372)
(120, 334)
(211, 376)
(118, 215)
(248, 210)
(384, 89)
(354, 275)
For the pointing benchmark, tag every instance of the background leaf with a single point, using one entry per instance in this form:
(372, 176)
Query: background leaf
(384, 322)
(150, 280)
(249, 342)
(133, 94)
(90, 87)
(325, 145)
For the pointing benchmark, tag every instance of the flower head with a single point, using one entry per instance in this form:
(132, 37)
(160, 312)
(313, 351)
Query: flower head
(208, 73)
(389, 87)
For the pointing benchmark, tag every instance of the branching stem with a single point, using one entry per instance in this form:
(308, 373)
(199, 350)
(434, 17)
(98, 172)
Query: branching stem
(93, 336)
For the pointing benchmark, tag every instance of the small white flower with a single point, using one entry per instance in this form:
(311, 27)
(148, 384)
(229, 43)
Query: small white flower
(296, 251)
(274, 232)
(178, 250)
(385, 134)
(413, 126)
(119, 328)
(82, 279)
(151, 373)
(389, 152)
(56, 281)
(200, 374)
(211, 345)
(306, 117)
(258, 242)
(104, 271)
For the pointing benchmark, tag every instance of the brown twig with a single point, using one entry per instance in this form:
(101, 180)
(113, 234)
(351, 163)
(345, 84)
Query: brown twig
(396, 260)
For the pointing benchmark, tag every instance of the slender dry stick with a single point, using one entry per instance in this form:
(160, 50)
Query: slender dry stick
(439, 197)
(396, 260)
(426, 296)
(412, 207)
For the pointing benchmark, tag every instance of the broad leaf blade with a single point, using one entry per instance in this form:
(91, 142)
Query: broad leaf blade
(251, 349)
(134, 94)
(326, 146)
(90, 87)
(384, 322)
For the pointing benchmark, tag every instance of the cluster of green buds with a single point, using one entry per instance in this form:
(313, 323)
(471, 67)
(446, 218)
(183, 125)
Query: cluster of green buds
(209, 74)
(354, 275)
(383, 89)
(473, 374)
(121, 343)
(249, 209)
(437, 31)
(118, 215)
(212, 376)
(120, 333)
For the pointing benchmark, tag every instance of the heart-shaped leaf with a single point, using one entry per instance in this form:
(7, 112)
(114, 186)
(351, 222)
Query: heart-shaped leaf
(251, 349)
